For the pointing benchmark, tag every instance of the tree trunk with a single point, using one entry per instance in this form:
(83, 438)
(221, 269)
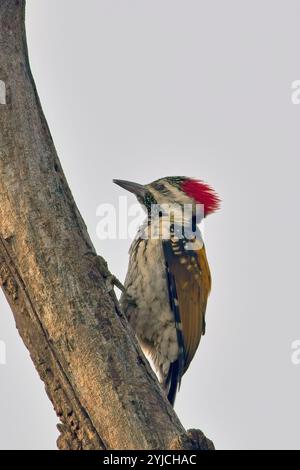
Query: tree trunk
(59, 290)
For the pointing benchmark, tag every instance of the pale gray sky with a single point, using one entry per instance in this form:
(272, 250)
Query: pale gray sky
(141, 89)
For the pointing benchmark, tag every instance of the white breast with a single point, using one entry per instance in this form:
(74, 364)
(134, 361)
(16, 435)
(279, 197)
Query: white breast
(150, 316)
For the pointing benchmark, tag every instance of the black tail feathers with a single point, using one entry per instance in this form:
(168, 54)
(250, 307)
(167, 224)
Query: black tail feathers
(172, 381)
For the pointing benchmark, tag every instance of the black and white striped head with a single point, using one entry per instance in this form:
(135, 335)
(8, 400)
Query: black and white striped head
(179, 190)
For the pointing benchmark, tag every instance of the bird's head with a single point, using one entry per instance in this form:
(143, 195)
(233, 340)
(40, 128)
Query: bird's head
(174, 190)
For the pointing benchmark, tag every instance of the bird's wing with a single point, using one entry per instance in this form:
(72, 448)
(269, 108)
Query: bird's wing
(189, 286)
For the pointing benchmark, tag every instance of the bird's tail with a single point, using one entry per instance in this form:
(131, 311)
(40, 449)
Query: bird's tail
(172, 381)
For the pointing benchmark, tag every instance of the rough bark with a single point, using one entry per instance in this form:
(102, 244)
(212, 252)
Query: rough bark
(59, 290)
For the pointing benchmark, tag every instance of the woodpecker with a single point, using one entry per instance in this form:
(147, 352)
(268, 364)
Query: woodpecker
(168, 279)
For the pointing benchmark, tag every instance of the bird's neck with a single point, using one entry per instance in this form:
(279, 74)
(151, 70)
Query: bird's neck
(165, 226)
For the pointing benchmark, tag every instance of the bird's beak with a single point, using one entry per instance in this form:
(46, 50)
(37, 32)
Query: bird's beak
(135, 188)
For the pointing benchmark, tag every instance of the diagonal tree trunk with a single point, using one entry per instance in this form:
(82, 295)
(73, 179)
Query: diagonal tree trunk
(99, 382)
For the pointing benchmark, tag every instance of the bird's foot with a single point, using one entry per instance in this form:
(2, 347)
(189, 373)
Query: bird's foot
(112, 282)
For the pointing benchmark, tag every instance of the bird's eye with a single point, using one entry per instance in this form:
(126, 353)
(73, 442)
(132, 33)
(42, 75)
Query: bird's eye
(159, 187)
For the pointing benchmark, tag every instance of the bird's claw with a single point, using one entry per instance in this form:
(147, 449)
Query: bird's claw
(112, 282)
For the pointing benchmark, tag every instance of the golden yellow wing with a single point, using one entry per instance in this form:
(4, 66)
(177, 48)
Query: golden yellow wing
(189, 270)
